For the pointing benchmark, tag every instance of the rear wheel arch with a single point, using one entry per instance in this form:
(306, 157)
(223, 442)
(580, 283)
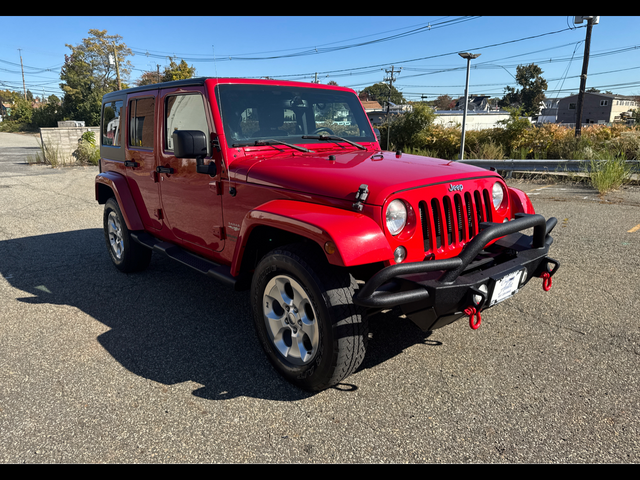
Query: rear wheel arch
(103, 193)
(113, 185)
(126, 254)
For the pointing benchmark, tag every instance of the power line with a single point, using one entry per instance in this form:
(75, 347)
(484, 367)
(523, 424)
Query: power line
(311, 50)
(431, 56)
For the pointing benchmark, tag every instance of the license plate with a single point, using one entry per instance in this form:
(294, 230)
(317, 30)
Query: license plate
(506, 287)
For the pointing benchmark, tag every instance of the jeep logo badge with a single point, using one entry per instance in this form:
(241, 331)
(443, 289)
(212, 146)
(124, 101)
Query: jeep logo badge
(455, 188)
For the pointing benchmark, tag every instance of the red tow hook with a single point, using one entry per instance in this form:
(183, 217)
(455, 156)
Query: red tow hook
(472, 312)
(546, 276)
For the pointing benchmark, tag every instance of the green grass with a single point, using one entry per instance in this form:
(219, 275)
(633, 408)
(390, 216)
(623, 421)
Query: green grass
(609, 173)
(48, 156)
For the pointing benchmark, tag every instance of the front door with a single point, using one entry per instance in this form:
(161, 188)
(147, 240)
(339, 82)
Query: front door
(191, 206)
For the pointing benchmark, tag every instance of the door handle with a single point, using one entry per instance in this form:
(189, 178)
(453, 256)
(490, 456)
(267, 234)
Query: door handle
(164, 169)
(129, 163)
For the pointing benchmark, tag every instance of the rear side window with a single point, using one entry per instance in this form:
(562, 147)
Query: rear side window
(185, 112)
(141, 124)
(111, 114)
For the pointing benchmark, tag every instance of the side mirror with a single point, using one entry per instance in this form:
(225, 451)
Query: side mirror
(377, 132)
(190, 144)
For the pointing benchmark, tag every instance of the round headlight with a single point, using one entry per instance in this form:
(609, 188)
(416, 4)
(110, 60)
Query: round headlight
(396, 216)
(498, 194)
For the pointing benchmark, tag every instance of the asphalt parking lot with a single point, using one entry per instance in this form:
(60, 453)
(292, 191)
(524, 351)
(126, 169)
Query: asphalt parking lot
(163, 366)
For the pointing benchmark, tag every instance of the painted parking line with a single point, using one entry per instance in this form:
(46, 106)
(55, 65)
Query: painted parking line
(535, 191)
(634, 229)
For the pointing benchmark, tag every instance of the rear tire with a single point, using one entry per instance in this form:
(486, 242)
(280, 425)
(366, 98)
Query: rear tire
(305, 318)
(126, 254)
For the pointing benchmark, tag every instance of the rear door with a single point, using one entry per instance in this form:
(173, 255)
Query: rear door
(191, 206)
(142, 132)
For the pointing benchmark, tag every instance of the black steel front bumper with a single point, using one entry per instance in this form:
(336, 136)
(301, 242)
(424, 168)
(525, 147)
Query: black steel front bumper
(434, 293)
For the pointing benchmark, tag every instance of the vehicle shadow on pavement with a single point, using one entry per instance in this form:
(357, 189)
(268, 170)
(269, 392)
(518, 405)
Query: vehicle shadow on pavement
(168, 324)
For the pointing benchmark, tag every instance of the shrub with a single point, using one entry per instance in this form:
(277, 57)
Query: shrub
(513, 135)
(87, 153)
(407, 129)
(627, 144)
(609, 173)
(490, 150)
(443, 140)
(10, 126)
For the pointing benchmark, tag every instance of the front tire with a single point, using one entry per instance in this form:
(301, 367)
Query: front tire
(305, 318)
(126, 254)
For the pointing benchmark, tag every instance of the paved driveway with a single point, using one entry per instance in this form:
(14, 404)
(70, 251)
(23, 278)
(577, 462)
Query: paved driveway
(163, 366)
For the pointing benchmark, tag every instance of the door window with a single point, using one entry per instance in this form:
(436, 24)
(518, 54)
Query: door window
(185, 112)
(111, 113)
(141, 116)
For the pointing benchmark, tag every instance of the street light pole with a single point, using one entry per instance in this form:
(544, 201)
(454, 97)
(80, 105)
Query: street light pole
(469, 57)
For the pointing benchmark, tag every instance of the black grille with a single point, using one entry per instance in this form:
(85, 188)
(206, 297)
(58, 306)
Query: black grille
(454, 219)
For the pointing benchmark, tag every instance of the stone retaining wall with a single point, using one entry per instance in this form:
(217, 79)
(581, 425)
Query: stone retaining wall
(65, 140)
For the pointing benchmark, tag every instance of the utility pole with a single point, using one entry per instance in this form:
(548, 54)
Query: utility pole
(158, 71)
(391, 78)
(115, 52)
(591, 21)
(24, 88)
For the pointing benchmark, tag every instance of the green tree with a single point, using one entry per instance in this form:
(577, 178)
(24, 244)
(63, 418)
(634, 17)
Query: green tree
(444, 102)
(9, 96)
(89, 72)
(531, 95)
(48, 114)
(408, 129)
(80, 90)
(22, 111)
(100, 51)
(380, 93)
(175, 71)
(148, 78)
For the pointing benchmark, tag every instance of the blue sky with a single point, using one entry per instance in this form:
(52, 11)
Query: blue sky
(353, 51)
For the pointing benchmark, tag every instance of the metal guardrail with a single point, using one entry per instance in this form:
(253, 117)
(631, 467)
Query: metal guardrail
(540, 166)
(536, 165)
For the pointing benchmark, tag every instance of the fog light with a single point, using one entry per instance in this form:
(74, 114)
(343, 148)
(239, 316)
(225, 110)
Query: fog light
(400, 254)
(477, 299)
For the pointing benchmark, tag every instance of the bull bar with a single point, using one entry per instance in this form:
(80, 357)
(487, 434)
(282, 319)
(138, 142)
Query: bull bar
(445, 287)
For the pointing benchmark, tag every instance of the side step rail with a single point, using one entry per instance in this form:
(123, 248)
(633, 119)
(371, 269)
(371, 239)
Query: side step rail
(202, 265)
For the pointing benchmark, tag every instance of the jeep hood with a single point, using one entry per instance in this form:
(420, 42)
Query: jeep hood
(340, 178)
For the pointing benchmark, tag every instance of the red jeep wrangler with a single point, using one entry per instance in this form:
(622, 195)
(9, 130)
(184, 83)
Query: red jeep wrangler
(282, 187)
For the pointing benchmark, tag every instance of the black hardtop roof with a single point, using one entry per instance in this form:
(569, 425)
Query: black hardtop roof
(176, 83)
(155, 86)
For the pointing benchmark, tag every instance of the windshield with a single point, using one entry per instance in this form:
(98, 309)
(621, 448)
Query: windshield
(253, 113)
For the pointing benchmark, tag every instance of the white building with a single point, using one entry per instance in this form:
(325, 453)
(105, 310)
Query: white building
(476, 120)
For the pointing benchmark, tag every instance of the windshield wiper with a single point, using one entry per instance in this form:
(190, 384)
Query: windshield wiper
(335, 138)
(271, 141)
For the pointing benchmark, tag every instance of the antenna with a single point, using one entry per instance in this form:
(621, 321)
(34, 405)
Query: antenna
(215, 68)
(215, 65)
